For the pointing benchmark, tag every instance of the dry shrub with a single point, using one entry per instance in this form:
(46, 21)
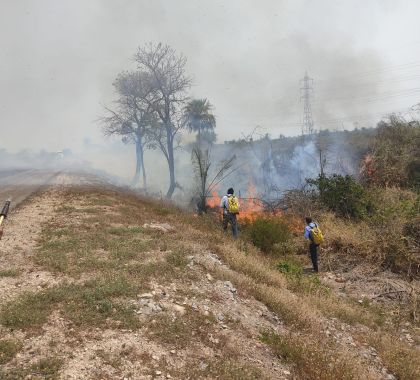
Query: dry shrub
(397, 356)
(302, 203)
(315, 361)
(387, 244)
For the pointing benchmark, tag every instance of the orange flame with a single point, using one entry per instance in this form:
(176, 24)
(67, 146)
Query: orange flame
(251, 207)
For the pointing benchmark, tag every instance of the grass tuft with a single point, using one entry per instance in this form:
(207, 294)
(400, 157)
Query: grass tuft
(9, 273)
(8, 349)
(45, 368)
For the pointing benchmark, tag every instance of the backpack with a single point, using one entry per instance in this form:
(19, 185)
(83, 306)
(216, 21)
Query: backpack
(233, 205)
(316, 235)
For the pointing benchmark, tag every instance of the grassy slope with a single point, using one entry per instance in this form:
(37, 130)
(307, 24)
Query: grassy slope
(97, 243)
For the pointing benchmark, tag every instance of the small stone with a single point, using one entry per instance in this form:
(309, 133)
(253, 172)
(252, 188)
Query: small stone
(154, 357)
(179, 309)
(285, 372)
(146, 295)
(409, 338)
(158, 373)
(168, 376)
(209, 277)
(229, 285)
(172, 352)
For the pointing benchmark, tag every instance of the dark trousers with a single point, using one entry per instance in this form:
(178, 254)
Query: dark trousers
(313, 250)
(230, 218)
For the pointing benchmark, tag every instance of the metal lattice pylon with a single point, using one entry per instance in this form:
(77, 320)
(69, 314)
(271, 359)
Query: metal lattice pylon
(306, 90)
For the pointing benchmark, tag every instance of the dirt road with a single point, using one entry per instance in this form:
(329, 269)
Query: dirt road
(17, 185)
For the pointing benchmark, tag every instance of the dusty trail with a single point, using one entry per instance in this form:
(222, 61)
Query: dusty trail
(22, 228)
(24, 224)
(20, 184)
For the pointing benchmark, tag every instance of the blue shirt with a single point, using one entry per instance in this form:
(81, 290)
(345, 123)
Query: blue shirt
(308, 229)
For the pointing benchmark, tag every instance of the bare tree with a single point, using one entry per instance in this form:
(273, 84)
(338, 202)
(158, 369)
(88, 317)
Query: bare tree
(169, 83)
(205, 184)
(132, 117)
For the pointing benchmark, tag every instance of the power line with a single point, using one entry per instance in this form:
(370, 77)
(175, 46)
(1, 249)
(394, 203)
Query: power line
(406, 66)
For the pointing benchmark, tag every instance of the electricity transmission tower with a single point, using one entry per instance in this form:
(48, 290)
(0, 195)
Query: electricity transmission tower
(306, 91)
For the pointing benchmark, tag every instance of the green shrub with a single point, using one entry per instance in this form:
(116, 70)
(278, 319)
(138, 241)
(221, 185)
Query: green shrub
(343, 195)
(289, 268)
(266, 233)
(299, 282)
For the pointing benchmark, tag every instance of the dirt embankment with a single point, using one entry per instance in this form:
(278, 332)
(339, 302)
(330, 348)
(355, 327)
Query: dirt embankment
(99, 284)
(188, 324)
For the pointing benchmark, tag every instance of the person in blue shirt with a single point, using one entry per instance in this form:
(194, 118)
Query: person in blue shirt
(313, 248)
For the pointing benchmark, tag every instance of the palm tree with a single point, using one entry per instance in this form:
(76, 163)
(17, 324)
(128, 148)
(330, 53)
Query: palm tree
(199, 117)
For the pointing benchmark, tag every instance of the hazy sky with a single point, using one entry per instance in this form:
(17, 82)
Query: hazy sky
(59, 58)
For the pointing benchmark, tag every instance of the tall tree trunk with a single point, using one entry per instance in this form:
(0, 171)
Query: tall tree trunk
(171, 162)
(144, 169)
(139, 163)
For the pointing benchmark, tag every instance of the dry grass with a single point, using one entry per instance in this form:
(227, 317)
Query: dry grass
(381, 239)
(182, 332)
(255, 274)
(100, 235)
(400, 359)
(8, 349)
(224, 369)
(45, 368)
(313, 360)
(95, 303)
